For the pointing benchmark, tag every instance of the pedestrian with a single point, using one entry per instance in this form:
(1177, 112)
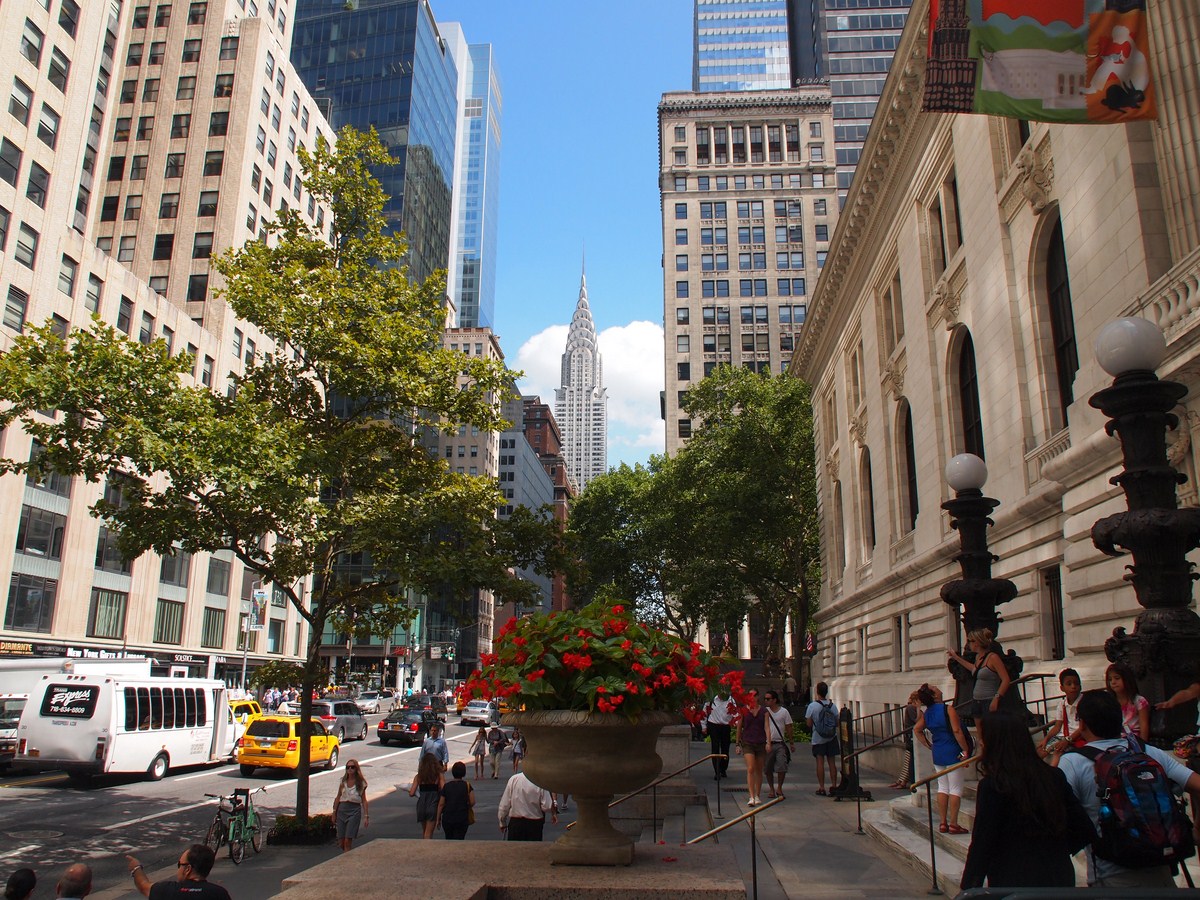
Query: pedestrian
(350, 808)
(949, 745)
(518, 749)
(789, 689)
(436, 744)
(753, 742)
(1135, 709)
(718, 723)
(20, 885)
(456, 804)
(779, 726)
(1102, 723)
(912, 712)
(190, 884)
(497, 741)
(1065, 731)
(75, 884)
(479, 749)
(523, 808)
(428, 783)
(822, 718)
(1028, 824)
(992, 682)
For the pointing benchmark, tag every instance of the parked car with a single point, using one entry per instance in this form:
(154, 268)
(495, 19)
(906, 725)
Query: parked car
(369, 702)
(389, 699)
(406, 726)
(434, 702)
(342, 718)
(480, 712)
(274, 742)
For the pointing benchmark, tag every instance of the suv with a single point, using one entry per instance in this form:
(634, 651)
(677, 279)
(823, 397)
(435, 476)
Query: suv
(341, 718)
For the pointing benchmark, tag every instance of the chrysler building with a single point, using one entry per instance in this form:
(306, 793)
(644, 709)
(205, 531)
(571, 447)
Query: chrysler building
(581, 404)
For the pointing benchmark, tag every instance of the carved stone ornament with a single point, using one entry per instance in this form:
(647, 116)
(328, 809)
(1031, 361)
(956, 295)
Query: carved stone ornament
(858, 429)
(1180, 440)
(948, 302)
(832, 466)
(1037, 177)
(893, 379)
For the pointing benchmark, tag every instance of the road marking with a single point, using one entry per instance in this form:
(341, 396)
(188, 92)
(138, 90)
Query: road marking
(20, 851)
(34, 779)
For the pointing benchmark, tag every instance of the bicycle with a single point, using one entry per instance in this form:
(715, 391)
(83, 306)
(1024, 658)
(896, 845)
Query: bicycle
(245, 827)
(218, 831)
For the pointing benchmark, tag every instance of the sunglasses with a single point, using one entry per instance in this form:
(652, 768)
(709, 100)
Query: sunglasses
(351, 768)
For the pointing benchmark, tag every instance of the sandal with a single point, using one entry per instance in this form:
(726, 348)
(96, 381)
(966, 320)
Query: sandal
(820, 792)
(771, 796)
(944, 828)
(958, 829)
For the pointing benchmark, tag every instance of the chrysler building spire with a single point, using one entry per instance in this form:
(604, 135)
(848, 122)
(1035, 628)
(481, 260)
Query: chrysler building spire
(581, 404)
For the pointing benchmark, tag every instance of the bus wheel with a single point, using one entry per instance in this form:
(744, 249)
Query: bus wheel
(158, 768)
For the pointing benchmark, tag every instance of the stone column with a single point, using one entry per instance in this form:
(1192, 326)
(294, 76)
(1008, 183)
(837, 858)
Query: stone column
(1175, 56)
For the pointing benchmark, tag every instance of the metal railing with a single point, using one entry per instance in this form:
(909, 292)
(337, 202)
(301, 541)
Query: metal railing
(746, 816)
(653, 788)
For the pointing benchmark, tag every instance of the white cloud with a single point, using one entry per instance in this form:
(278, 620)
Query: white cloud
(633, 374)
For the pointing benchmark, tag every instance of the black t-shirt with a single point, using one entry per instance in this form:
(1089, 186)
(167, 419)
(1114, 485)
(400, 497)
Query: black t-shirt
(188, 890)
(456, 794)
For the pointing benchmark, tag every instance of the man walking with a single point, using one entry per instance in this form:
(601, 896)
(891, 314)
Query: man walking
(719, 724)
(1101, 726)
(497, 740)
(822, 718)
(436, 744)
(75, 884)
(523, 809)
(190, 884)
(779, 724)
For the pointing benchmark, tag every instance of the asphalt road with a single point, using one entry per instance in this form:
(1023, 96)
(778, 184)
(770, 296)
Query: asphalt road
(47, 824)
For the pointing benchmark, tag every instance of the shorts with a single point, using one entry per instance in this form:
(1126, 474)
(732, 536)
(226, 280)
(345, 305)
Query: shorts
(778, 759)
(952, 782)
(827, 748)
(753, 748)
(348, 820)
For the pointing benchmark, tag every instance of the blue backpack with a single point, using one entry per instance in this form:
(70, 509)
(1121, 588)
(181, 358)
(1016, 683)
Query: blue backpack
(825, 725)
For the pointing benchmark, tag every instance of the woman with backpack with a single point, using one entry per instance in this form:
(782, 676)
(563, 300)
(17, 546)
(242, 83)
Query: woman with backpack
(948, 741)
(1028, 823)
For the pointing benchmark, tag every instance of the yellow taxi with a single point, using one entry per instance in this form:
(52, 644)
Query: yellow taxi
(245, 709)
(274, 742)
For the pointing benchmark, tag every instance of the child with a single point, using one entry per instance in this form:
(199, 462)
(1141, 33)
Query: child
(1135, 709)
(1066, 730)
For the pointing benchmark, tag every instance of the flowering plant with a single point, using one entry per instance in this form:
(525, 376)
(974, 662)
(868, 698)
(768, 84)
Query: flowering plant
(596, 659)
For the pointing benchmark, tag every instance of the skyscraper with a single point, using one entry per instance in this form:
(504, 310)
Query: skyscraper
(581, 403)
(471, 275)
(383, 63)
(741, 45)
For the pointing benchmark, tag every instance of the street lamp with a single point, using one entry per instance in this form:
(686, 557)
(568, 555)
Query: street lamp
(1165, 644)
(977, 592)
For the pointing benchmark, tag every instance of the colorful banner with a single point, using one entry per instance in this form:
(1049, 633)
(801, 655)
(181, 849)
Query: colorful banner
(258, 609)
(1045, 60)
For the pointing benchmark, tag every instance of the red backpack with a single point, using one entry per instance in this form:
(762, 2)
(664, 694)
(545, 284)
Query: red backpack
(1142, 824)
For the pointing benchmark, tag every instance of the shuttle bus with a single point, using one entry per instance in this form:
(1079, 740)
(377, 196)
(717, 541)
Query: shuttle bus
(88, 725)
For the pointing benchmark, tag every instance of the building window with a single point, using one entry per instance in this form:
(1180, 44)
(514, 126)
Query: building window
(157, 49)
(275, 639)
(30, 603)
(162, 15)
(168, 622)
(133, 207)
(197, 13)
(20, 101)
(68, 271)
(202, 245)
(32, 39)
(197, 290)
(223, 86)
(970, 412)
(208, 204)
(59, 70)
(27, 245)
(685, 428)
(186, 87)
(181, 125)
(1062, 321)
(40, 533)
(38, 185)
(10, 161)
(108, 556)
(164, 246)
(91, 299)
(683, 371)
(218, 577)
(174, 166)
(125, 315)
(229, 48)
(1055, 627)
(892, 308)
(682, 343)
(214, 162)
(106, 616)
(218, 124)
(137, 167)
(212, 628)
(909, 501)
(145, 128)
(682, 315)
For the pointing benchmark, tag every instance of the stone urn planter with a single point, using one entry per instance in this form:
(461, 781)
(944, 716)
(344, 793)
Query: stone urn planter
(592, 757)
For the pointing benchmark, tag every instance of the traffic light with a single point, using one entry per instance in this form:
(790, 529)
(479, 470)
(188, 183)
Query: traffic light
(450, 649)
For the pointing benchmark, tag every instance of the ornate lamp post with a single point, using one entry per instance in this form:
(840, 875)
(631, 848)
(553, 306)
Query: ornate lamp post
(977, 592)
(1165, 645)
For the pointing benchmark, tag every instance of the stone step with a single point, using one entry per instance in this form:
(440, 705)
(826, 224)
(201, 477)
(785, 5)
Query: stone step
(912, 849)
(966, 810)
(916, 820)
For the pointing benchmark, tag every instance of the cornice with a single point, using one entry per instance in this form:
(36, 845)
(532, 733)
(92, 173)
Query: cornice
(689, 101)
(898, 125)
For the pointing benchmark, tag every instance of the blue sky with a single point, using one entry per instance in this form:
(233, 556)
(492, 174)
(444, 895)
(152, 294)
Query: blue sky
(581, 83)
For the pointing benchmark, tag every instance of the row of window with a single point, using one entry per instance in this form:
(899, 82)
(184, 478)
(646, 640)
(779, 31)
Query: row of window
(747, 287)
(721, 144)
(750, 261)
(750, 315)
(752, 342)
(683, 370)
(33, 41)
(753, 209)
(751, 234)
(722, 182)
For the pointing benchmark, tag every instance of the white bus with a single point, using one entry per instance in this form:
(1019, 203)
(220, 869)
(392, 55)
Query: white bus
(88, 725)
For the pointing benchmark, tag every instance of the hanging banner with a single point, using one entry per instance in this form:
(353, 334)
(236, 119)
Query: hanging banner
(258, 609)
(1081, 61)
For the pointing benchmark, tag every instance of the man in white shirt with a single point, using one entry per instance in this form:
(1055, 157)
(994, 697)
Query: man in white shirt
(719, 725)
(1102, 726)
(779, 724)
(523, 808)
(436, 744)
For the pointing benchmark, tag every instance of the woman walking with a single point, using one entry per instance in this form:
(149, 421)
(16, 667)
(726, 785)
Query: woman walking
(1135, 709)
(1028, 822)
(992, 683)
(479, 749)
(753, 743)
(455, 805)
(949, 745)
(428, 783)
(518, 749)
(350, 805)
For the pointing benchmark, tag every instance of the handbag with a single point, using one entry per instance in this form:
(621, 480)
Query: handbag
(470, 809)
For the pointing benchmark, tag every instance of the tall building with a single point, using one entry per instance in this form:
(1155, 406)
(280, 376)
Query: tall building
(471, 274)
(124, 164)
(581, 403)
(749, 204)
(524, 481)
(383, 63)
(741, 45)
(543, 434)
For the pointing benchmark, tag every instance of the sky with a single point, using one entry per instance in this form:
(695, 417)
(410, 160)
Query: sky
(581, 83)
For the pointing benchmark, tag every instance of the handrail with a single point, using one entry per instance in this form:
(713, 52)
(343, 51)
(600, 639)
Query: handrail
(892, 737)
(936, 775)
(656, 782)
(742, 818)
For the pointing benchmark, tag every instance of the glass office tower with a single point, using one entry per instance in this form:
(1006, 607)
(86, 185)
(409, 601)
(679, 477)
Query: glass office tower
(382, 63)
(741, 45)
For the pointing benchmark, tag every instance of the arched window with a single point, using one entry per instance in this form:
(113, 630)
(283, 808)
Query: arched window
(968, 398)
(1062, 319)
(867, 504)
(839, 533)
(909, 506)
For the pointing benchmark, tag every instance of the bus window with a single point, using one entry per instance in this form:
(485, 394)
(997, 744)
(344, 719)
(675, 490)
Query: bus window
(143, 696)
(156, 708)
(131, 717)
(180, 709)
(201, 709)
(190, 695)
(168, 708)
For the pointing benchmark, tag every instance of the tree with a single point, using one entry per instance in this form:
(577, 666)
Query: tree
(314, 456)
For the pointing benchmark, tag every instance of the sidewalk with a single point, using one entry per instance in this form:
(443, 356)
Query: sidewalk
(808, 845)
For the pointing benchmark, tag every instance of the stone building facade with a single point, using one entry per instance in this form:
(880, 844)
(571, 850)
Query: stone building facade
(975, 261)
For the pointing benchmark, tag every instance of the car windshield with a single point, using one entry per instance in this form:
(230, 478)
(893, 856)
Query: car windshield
(271, 728)
(478, 704)
(403, 716)
(368, 695)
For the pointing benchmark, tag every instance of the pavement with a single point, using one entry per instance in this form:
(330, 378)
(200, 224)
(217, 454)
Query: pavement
(808, 846)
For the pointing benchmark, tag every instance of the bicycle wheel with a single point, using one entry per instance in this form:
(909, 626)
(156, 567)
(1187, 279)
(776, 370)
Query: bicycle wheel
(255, 826)
(237, 845)
(216, 834)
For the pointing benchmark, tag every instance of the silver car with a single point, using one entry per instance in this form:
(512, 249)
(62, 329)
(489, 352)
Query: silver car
(369, 702)
(342, 718)
(481, 712)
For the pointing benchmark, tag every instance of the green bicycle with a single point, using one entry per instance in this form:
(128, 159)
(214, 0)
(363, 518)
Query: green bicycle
(238, 824)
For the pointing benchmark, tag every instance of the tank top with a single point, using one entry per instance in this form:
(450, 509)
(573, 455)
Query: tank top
(754, 726)
(427, 788)
(350, 793)
(987, 682)
(945, 745)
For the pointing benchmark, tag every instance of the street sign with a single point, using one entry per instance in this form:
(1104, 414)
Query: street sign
(435, 651)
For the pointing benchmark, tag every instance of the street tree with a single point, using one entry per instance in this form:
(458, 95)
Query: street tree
(313, 458)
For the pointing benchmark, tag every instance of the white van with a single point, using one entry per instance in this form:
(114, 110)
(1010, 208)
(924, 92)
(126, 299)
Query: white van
(92, 725)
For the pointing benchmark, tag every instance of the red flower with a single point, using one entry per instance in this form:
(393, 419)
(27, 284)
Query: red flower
(519, 641)
(601, 690)
(617, 610)
(536, 674)
(627, 644)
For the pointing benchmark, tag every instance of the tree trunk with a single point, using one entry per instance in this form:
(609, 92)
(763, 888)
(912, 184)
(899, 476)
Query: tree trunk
(307, 687)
